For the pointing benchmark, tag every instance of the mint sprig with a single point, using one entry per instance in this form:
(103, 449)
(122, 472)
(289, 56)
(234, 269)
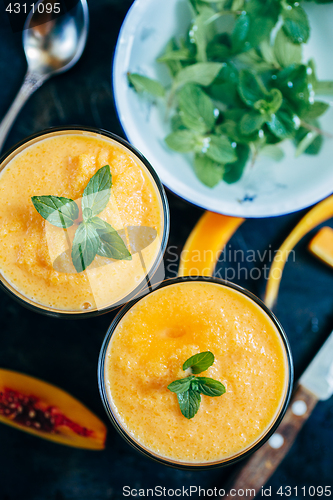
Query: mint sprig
(189, 389)
(94, 236)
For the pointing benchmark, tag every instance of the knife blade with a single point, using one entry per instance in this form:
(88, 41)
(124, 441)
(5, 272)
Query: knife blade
(315, 384)
(318, 377)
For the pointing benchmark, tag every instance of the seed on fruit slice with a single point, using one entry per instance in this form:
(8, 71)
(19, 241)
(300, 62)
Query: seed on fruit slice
(44, 410)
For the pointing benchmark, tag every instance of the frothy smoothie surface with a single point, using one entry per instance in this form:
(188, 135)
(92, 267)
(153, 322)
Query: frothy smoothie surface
(62, 165)
(154, 339)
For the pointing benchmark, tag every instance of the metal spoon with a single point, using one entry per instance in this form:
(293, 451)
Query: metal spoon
(51, 46)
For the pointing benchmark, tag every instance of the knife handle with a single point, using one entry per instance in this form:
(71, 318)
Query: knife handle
(262, 464)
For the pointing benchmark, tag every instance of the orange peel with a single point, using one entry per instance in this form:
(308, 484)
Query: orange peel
(205, 243)
(318, 214)
(322, 245)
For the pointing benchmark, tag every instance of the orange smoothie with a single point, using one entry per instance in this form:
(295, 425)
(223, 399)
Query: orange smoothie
(61, 164)
(153, 340)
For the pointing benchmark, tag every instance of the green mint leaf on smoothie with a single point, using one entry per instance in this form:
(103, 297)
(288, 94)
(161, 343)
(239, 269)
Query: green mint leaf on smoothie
(58, 211)
(85, 246)
(210, 387)
(93, 236)
(189, 403)
(199, 362)
(111, 245)
(97, 193)
(181, 385)
(188, 389)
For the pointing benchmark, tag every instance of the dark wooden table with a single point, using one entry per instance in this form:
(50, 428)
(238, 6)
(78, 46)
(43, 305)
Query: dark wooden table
(65, 352)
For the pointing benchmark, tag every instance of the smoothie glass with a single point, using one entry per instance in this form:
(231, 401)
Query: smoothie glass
(182, 464)
(152, 272)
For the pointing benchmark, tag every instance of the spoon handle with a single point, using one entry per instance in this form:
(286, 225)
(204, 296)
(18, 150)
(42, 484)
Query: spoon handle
(32, 82)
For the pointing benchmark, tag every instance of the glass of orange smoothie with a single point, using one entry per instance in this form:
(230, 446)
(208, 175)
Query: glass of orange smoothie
(144, 352)
(124, 222)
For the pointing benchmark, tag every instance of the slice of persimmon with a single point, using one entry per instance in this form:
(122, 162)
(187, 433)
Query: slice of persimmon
(205, 243)
(315, 216)
(44, 410)
(322, 245)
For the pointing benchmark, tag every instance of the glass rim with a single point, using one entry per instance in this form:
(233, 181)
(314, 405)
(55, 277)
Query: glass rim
(69, 314)
(192, 465)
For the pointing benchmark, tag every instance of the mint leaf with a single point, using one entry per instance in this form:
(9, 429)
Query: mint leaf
(182, 141)
(199, 362)
(251, 122)
(175, 55)
(85, 246)
(208, 171)
(58, 211)
(202, 32)
(267, 52)
(196, 108)
(309, 142)
(177, 123)
(230, 128)
(233, 171)
(314, 110)
(305, 142)
(181, 385)
(260, 28)
(173, 65)
(315, 146)
(203, 73)
(293, 82)
(189, 403)
(210, 387)
(296, 24)
(283, 124)
(144, 84)
(224, 88)
(271, 103)
(272, 151)
(219, 149)
(324, 87)
(286, 52)
(219, 49)
(97, 193)
(111, 245)
(240, 32)
(251, 88)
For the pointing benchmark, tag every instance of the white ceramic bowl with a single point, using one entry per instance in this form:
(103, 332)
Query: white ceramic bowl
(270, 188)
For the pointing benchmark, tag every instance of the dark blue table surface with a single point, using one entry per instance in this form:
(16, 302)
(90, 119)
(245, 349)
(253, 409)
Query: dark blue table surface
(65, 353)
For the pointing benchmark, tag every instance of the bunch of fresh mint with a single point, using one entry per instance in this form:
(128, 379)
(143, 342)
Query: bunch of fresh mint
(240, 86)
(93, 236)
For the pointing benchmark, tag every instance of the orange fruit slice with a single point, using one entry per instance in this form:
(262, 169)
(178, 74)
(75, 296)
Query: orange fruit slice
(44, 410)
(205, 243)
(322, 245)
(320, 213)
